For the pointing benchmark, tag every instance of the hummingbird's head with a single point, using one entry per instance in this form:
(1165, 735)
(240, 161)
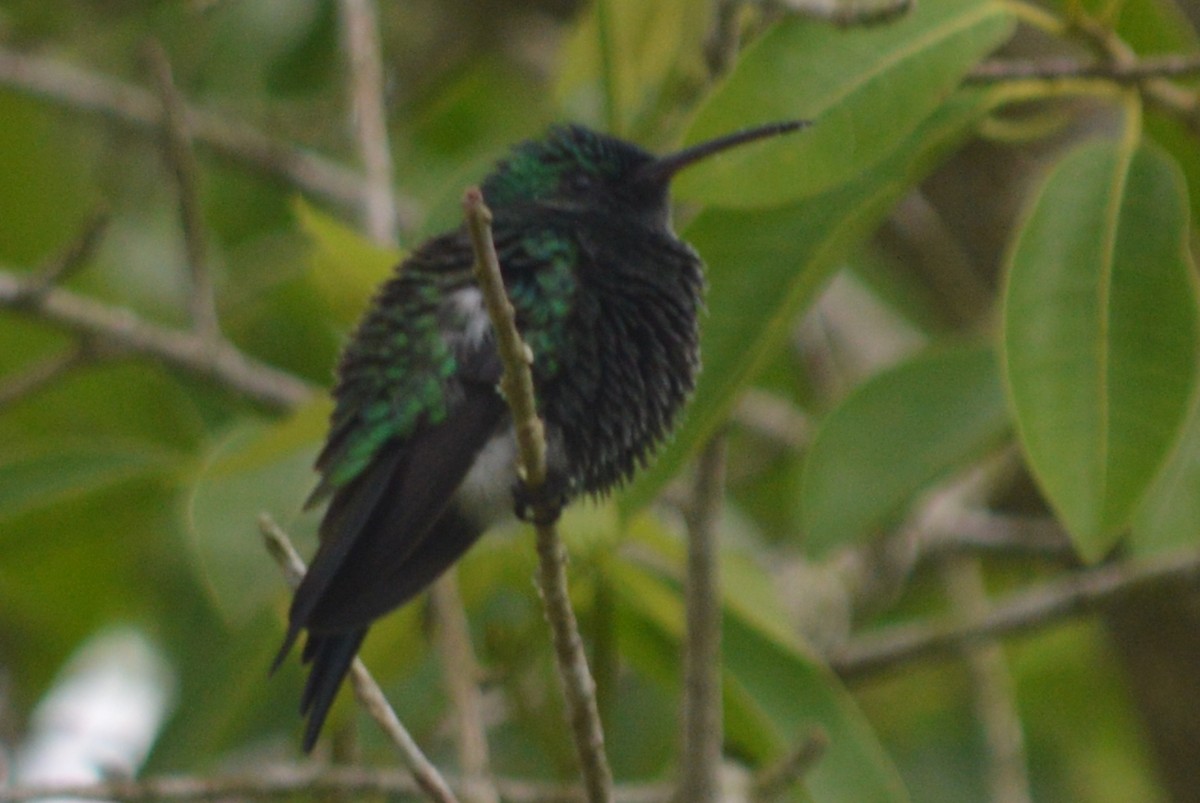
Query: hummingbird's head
(576, 170)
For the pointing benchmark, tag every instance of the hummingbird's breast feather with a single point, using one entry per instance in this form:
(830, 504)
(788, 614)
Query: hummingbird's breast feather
(485, 496)
(631, 353)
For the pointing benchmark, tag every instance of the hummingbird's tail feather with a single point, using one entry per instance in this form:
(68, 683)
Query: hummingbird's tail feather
(331, 654)
(331, 658)
(385, 537)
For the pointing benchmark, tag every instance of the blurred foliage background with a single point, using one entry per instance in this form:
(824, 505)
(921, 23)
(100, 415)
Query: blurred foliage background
(951, 343)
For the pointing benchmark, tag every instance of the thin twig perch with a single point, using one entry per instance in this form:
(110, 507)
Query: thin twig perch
(517, 385)
(700, 755)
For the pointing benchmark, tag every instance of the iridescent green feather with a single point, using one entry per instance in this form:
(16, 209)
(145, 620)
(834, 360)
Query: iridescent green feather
(393, 374)
(543, 298)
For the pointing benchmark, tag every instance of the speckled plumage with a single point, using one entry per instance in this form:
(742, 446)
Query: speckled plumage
(418, 459)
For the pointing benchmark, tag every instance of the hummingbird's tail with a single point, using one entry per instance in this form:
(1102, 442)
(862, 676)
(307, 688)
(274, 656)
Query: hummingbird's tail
(331, 656)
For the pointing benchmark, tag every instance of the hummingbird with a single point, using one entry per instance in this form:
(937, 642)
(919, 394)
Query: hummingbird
(420, 458)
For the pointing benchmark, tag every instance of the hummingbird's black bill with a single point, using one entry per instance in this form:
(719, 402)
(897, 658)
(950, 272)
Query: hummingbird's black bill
(663, 168)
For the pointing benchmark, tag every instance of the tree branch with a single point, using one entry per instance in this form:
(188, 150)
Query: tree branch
(1174, 99)
(846, 14)
(991, 686)
(137, 109)
(579, 689)
(1122, 72)
(700, 754)
(460, 672)
(774, 418)
(360, 41)
(18, 385)
(277, 782)
(1071, 595)
(77, 254)
(122, 329)
(721, 46)
(776, 779)
(177, 148)
(365, 688)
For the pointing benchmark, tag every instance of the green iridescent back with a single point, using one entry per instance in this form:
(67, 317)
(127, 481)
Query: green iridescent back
(394, 372)
(402, 369)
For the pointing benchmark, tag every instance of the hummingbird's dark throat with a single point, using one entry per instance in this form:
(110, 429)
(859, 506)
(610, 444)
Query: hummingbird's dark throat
(663, 168)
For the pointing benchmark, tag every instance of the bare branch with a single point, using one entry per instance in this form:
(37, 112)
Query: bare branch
(579, 689)
(1177, 65)
(774, 418)
(279, 782)
(219, 361)
(365, 688)
(81, 90)
(775, 780)
(976, 529)
(1075, 594)
(991, 685)
(839, 12)
(77, 253)
(700, 754)
(177, 148)
(950, 519)
(17, 386)
(721, 46)
(460, 672)
(1172, 98)
(360, 41)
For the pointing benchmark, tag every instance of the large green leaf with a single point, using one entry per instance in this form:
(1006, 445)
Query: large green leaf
(775, 692)
(87, 559)
(893, 436)
(70, 469)
(1100, 332)
(259, 468)
(621, 54)
(796, 693)
(44, 196)
(1169, 516)
(345, 266)
(766, 266)
(866, 89)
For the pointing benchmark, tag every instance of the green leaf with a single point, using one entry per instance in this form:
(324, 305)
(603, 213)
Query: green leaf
(766, 266)
(775, 692)
(618, 58)
(795, 692)
(70, 470)
(259, 468)
(894, 435)
(865, 88)
(1169, 516)
(1100, 333)
(88, 559)
(346, 267)
(45, 193)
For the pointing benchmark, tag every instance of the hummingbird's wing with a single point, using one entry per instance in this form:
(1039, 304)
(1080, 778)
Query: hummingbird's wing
(390, 553)
(373, 560)
(416, 403)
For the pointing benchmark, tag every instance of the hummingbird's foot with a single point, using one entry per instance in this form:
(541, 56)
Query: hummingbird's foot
(541, 507)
